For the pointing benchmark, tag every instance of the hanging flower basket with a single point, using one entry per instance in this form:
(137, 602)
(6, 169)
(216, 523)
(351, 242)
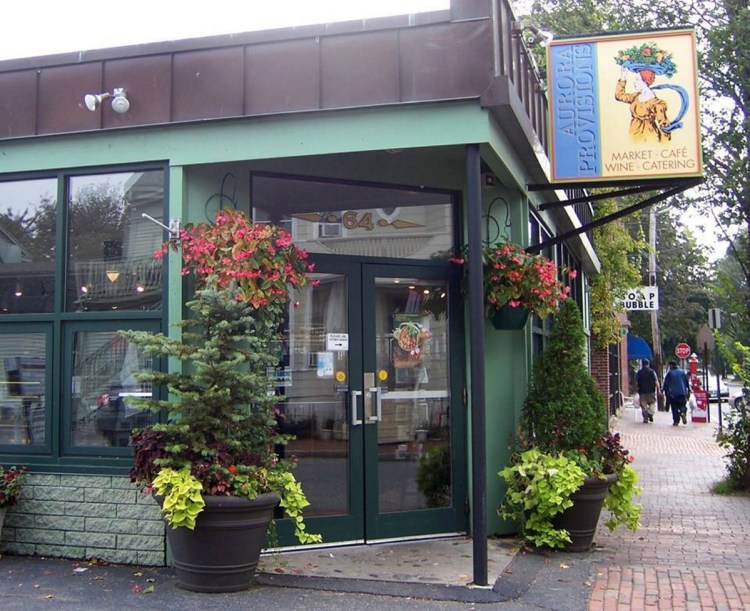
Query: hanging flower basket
(517, 282)
(510, 319)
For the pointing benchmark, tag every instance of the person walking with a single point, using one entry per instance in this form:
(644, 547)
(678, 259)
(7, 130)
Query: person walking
(677, 389)
(647, 383)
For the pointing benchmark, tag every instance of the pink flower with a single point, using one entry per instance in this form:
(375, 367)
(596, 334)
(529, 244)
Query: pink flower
(234, 251)
(516, 278)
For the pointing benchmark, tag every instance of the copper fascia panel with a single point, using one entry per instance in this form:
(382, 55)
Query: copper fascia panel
(348, 65)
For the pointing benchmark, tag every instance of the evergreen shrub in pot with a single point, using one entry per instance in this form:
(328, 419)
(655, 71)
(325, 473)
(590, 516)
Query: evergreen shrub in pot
(565, 450)
(217, 449)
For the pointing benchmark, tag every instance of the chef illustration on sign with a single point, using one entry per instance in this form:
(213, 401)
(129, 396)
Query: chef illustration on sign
(649, 121)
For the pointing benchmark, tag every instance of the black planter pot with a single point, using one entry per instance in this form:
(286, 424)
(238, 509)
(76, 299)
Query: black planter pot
(222, 553)
(510, 319)
(582, 518)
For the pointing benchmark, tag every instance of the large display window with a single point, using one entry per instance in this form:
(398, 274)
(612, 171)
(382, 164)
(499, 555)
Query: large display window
(76, 266)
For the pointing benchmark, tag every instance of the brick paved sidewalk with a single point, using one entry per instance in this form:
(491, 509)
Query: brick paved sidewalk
(693, 550)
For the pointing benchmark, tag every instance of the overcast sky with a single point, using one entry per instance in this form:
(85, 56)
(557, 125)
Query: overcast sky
(41, 27)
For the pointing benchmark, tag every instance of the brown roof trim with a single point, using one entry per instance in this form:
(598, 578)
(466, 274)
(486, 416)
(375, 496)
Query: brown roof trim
(226, 40)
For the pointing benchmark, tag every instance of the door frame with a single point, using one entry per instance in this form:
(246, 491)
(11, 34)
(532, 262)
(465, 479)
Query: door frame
(379, 526)
(363, 522)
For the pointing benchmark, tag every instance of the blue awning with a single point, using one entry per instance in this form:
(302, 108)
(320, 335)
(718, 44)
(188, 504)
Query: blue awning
(638, 348)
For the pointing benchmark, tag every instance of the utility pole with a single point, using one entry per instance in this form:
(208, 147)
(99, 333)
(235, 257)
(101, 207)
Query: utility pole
(655, 335)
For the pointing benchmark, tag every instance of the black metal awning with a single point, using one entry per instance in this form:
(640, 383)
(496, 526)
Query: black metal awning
(668, 189)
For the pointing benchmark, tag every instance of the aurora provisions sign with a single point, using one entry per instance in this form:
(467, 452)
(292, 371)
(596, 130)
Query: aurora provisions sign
(624, 106)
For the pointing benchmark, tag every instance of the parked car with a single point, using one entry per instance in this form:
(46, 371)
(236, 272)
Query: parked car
(723, 389)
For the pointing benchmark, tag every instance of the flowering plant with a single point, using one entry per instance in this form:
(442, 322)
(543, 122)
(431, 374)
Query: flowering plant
(222, 432)
(516, 278)
(10, 485)
(257, 260)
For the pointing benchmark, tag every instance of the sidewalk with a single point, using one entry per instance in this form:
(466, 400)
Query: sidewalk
(692, 552)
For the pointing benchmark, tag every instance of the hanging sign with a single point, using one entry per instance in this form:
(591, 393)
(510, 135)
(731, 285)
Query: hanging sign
(714, 318)
(624, 106)
(641, 298)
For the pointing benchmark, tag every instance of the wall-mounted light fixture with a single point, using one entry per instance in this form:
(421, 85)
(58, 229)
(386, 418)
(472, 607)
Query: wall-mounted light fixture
(532, 35)
(120, 102)
(174, 229)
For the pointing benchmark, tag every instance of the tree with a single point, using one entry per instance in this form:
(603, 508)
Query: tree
(684, 287)
(731, 291)
(618, 252)
(96, 205)
(33, 228)
(564, 409)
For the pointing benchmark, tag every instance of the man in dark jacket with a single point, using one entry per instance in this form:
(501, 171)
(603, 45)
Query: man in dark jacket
(677, 388)
(647, 383)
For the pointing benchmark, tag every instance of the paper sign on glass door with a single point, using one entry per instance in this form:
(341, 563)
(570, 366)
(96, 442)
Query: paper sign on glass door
(325, 364)
(337, 341)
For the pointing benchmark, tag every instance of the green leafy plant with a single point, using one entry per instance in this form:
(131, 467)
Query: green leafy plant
(516, 278)
(539, 488)
(564, 439)
(221, 430)
(735, 436)
(182, 497)
(434, 476)
(564, 409)
(620, 500)
(10, 485)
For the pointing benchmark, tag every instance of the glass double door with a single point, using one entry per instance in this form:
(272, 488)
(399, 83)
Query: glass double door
(373, 393)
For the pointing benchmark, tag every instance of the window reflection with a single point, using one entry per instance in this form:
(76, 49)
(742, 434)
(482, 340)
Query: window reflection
(414, 452)
(356, 219)
(103, 386)
(27, 246)
(111, 244)
(22, 388)
(315, 387)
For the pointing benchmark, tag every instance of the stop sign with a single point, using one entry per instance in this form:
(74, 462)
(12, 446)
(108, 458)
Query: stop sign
(682, 351)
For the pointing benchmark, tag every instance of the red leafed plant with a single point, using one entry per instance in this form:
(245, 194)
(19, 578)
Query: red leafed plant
(10, 485)
(258, 261)
(516, 278)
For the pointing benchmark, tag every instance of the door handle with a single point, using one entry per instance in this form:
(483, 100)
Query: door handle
(353, 406)
(378, 404)
(371, 390)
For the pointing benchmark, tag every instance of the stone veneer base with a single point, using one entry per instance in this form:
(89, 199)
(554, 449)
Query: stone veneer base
(85, 517)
